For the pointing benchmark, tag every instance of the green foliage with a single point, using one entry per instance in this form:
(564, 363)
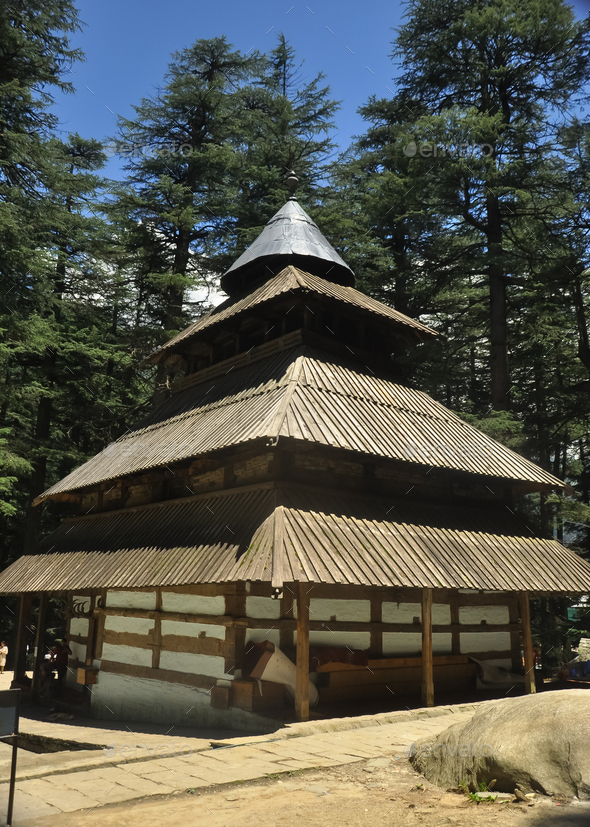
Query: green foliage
(98, 274)
(487, 245)
(503, 426)
(11, 468)
(464, 204)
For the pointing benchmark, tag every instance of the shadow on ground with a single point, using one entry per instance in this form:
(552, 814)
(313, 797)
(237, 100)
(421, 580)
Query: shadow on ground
(561, 819)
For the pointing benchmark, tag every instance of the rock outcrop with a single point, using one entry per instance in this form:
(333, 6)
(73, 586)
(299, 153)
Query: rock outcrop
(538, 743)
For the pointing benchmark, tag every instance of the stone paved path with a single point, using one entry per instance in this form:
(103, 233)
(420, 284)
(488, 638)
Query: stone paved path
(77, 786)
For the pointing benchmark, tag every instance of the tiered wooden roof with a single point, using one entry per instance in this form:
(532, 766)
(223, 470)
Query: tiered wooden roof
(301, 390)
(305, 394)
(288, 533)
(291, 283)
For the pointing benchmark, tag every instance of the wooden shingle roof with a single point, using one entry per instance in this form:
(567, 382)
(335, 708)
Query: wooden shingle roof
(294, 282)
(306, 395)
(282, 534)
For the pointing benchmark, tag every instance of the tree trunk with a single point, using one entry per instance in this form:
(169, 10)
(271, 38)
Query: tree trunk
(500, 377)
(173, 312)
(38, 476)
(585, 477)
(583, 341)
(37, 482)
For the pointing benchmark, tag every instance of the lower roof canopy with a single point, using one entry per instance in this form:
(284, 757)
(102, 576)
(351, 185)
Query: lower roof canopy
(291, 533)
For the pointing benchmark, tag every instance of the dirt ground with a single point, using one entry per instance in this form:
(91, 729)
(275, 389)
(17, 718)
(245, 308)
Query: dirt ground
(355, 795)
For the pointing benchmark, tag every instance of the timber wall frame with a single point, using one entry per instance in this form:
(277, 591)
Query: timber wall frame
(236, 624)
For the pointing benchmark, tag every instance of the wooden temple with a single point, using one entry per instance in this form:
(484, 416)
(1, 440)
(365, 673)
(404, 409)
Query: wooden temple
(291, 486)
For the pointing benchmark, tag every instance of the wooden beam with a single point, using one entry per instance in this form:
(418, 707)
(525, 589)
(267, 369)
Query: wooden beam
(235, 632)
(99, 628)
(91, 635)
(286, 635)
(376, 645)
(514, 633)
(427, 670)
(157, 636)
(394, 663)
(302, 676)
(290, 624)
(527, 642)
(22, 633)
(456, 633)
(39, 643)
(166, 675)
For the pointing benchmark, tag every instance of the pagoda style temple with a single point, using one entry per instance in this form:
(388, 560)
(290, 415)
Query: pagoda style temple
(291, 489)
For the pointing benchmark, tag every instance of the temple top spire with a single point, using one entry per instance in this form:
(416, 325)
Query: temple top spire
(292, 182)
(290, 237)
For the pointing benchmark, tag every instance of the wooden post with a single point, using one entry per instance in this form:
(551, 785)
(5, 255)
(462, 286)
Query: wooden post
(513, 618)
(101, 602)
(527, 643)
(302, 677)
(376, 644)
(22, 633)
(39, 643)
(235, 634)
(456, 631)
(286, 635)
(427, 677)
(157, 635)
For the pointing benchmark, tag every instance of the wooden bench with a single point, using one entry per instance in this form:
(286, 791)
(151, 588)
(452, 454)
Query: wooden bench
(385, 677)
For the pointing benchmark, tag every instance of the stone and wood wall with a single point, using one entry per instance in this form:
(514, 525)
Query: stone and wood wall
(177, 651)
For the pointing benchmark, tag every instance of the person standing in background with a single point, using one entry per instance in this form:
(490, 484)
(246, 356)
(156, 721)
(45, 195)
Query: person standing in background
(60, 653)
(3, 653)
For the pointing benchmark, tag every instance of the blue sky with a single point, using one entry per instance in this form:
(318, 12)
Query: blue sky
(128, 45)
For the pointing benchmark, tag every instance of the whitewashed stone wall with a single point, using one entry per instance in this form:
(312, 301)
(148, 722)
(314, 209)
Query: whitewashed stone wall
(79, 626)
(134, 625)
(265, 607)
(484, 642)
(258, 635)
(187, 629)
(491, 614)
(131, 600)
(409, 644)
(143, 699)
(406, 612)
(193, 664)
(186, 662)
(193, 603)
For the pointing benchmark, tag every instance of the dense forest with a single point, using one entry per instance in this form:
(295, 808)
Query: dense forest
(463, 204)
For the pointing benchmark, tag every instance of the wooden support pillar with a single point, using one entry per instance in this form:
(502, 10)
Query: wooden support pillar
(235, 634)
(456, 633)
(157, 633)
(92, 632)
(302, 676)
(39, 642)
(527, 643)
(515, 646)
(22, 634)
(286, 635)
(100, 623)
(376, 645)
(427, 674)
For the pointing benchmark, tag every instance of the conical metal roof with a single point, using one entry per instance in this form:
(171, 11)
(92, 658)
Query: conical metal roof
(290, 237)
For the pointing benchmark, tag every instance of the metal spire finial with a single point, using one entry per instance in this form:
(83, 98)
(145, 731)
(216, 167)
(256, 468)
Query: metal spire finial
(292, 181)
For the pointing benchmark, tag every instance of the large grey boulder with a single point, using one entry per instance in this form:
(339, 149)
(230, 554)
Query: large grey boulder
(539, 743)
